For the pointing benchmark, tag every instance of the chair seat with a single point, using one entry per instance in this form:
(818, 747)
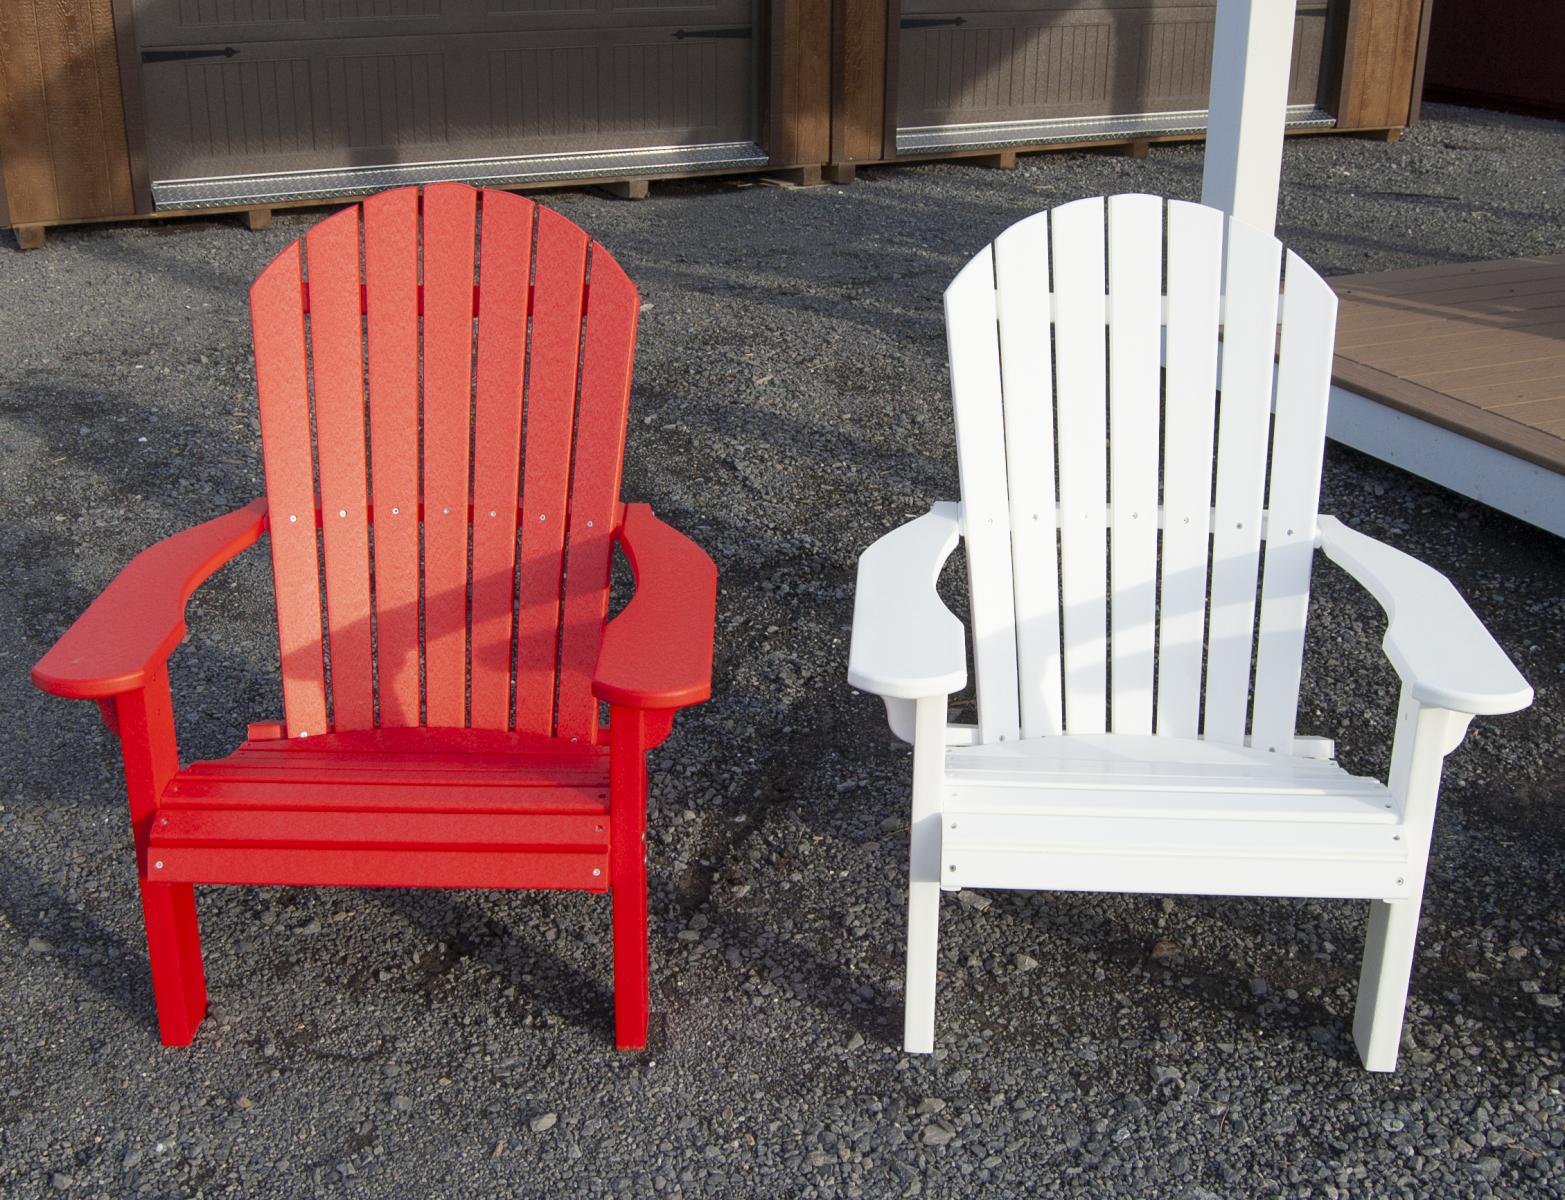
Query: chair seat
(397, 807)
(1115, 812)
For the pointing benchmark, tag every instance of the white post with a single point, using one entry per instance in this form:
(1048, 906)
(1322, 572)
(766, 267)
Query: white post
(1251, 55)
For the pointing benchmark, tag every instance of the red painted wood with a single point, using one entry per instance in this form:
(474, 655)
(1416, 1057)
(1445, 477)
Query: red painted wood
(128, 632)
(391, 290)
(608, 343)
(406, 829)
(657, 652)
(560, 263)
(461, 800)
(628, 875)
(151, 756)
(337, 368)
(283, 390)
(449, 249)
(503, 265)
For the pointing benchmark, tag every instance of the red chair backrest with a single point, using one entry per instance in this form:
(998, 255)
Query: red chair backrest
(462, 469)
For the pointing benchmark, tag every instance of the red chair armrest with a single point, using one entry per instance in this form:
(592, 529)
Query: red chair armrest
(132, 628)
(657, 653)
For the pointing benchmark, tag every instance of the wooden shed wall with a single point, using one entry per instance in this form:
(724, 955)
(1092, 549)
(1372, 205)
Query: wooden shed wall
(65, 155)
(62, 120)
(1499, 55)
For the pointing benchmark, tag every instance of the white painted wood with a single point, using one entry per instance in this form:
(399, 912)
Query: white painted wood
(973, 341)
(1502, 481)
(1251, 278)
(923, 938)
(1195, 256)
(1170, 875)
(1135, 276)
(1441, 651)
(1424, 736)
(1309, 323)
(1081, 420)
(1259, 812)
(1252, 53)
(906, 644)
(1027, 375)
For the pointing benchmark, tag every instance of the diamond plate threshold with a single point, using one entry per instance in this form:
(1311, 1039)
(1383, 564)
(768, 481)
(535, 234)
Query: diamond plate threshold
(170, 194)
(927, 139)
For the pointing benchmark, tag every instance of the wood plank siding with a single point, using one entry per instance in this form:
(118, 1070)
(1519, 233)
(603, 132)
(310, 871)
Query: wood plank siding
(1476, 348)
(62, 121)
(80, 128)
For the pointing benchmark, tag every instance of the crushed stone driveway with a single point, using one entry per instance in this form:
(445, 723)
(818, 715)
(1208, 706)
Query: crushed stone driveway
(790, 406)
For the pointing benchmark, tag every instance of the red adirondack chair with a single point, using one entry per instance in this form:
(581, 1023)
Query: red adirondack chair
(445, 729)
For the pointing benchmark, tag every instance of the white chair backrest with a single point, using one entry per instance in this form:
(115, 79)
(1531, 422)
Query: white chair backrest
(1115, 495)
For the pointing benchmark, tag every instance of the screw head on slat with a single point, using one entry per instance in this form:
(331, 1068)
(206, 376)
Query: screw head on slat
(293, 518)
(342, 512)
(158, 866)
(395, 511)
(596, 871)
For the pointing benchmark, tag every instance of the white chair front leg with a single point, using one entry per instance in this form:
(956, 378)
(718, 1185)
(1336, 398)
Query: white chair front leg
(1424, 736)
(923, 901)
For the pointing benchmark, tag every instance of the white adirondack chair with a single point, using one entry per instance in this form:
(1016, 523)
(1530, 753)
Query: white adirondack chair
(1127, 547)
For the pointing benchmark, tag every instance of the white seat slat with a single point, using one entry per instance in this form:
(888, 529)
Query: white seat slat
(1147, 834)
(971, 334)
(1309, 322)
(1135, 271)
(1195, 256)
(1244, 422)
(1081, 416)
(1022, 286)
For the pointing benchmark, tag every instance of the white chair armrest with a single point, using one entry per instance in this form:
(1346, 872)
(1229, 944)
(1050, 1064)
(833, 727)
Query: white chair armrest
(906, 644)
(1434, 641)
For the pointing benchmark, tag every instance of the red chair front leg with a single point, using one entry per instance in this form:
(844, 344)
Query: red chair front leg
(146, 728)
(628, 741)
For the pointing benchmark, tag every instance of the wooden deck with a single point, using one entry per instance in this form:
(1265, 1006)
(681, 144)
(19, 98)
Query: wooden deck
(1463, 366)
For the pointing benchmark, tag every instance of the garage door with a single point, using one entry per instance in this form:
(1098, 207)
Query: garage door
(272, 99)
(1015, 72)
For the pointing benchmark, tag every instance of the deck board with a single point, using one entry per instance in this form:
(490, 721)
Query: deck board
(1476, 348)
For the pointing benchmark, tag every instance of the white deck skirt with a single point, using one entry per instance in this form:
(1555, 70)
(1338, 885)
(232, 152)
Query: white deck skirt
(1522, 489)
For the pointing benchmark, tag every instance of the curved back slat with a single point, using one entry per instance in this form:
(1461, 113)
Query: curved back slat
(449, 265)
(391, 298)
(1081, 416)
(488, 432)
(1119, 421)
(1021, 275)
(980, 454)
(1195, 261)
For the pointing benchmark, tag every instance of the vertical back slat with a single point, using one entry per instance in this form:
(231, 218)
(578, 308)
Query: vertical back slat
(1244, 420)
(607, 348)
(1195, 256)
(504, 266)
(560, 262)
(283, 388)
(1309, 322)
(972, 336)
(1135, 327)
(1021, 271)
(337, 365)
(1081, 417)
(391, 301)
(448, 259)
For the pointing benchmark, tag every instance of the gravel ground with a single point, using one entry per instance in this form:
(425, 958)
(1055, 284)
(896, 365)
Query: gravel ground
(790, 406)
